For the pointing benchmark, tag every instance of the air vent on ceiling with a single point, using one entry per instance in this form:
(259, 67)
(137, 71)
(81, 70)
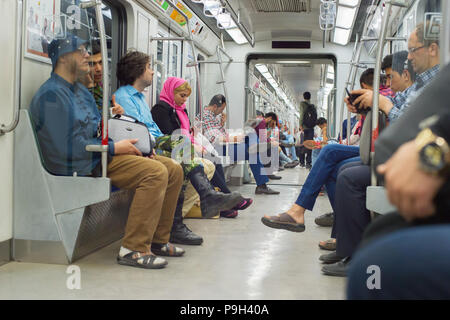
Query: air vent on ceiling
(282, 5)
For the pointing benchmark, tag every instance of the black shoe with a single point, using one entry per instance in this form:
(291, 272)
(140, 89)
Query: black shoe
(264, 189)
(338, 269)
(212, 201)
(330, 258)
(273, 177)
(181, 234)
(280, 169)
(290, 165)
(325, 220)
(308, 166)
(302, 165)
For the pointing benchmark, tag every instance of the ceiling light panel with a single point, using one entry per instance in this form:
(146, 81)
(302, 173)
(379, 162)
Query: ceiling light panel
(345, 17)
(237, 35)
(341, 36)
(350, 3)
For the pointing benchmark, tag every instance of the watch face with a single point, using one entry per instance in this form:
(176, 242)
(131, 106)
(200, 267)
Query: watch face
(432, 157)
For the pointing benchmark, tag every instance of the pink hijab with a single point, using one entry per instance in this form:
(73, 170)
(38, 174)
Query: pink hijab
(167, 95)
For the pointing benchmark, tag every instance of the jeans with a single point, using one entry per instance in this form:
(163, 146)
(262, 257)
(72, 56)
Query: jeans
(240, 152)
(284, 158)
(292, 153)
(412, 263)
(324, 172)
(308, 135)
(218, 180)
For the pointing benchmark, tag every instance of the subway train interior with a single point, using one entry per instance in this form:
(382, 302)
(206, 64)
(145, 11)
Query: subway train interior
(290, 179)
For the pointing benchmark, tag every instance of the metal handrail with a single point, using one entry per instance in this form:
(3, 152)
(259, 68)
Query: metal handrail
(16, 99)
(103, 148)
(352, 73)
(236, 18)
(223, 81)
(376, 84)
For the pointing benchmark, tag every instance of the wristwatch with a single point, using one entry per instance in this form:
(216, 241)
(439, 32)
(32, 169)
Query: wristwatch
(434, 153)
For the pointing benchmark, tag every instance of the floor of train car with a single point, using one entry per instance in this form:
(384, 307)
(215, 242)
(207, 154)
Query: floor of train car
(239, 259)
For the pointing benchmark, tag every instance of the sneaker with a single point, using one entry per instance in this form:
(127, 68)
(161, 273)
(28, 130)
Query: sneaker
(290, 165)
(244, 204)
(229, 214)
(273, 177)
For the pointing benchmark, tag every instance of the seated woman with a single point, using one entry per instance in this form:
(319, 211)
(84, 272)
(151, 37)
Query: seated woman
(133, 70)
(170, 115)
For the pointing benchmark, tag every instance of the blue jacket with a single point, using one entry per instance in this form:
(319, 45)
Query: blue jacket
(66, 119)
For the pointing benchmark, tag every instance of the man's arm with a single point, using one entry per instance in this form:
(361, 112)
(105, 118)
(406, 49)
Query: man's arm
(409, 187)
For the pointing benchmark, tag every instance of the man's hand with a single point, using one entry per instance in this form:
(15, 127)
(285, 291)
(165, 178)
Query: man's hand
(116, 108)
(223, 119)
(365, 100)
(127, 147)
(153, 154)
(408, 188)
(198, 149)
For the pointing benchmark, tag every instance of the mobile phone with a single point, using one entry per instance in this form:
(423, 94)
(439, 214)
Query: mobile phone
(351, 98)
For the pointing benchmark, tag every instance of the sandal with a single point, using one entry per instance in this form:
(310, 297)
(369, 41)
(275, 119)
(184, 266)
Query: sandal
(142, 260)
(329, 244)
(168, 250)
(283, 221)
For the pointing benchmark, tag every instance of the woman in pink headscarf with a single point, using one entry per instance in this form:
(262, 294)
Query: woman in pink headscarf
(170, 114)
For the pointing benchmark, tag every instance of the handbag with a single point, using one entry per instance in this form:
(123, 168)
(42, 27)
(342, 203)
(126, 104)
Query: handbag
(126, 127)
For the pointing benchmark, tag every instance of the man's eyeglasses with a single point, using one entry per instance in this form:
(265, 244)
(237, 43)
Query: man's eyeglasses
(412, 50)
(82, 50)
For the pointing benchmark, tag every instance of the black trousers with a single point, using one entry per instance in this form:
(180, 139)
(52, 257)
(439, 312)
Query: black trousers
(351, 217)
(309, 135)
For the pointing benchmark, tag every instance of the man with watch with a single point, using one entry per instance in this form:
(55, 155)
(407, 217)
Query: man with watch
(411, 248)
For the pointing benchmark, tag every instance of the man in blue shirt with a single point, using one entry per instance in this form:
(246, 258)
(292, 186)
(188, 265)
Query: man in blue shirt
(66, 120)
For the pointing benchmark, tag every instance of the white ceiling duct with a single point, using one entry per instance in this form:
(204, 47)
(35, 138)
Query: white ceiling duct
(282, 5)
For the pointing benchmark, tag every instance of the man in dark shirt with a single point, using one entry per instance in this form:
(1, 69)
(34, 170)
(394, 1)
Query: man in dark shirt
(66, 120)
(307, 128)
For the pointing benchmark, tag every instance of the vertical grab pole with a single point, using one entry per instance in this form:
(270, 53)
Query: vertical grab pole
(347, 83)
(105, 110)
(17, 72)
(376, 87)
(219, 58)
(105, 79)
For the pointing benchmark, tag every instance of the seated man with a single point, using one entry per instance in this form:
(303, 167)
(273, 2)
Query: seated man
(212, 128)
(353, 182)
(410, 249)
(93, 80)
(66, 120)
